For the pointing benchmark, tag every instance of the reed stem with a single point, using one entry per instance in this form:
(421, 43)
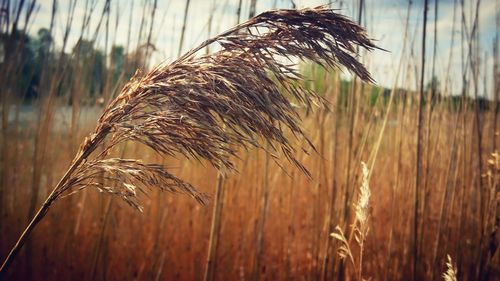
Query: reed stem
(215, 228)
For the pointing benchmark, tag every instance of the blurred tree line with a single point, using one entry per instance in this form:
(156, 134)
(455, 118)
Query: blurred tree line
(89, 73)
(85, 68)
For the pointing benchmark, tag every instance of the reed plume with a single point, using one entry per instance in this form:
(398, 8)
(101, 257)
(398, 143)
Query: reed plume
(206, 107)
(362, 206)
(359, 228)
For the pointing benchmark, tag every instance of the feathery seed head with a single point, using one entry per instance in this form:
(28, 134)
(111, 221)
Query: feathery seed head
(451, 270)
(363, 203)
(206, 107)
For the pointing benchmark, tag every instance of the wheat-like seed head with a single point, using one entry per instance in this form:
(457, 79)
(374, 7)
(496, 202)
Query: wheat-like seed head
(359, 226)
(206, 107)
(363, 204)
(494, 161)
(451, 270)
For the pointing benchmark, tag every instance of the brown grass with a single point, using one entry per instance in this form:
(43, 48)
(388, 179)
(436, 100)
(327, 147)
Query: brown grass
(275, 223)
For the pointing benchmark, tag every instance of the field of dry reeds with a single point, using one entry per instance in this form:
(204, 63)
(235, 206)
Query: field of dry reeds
(223, 164)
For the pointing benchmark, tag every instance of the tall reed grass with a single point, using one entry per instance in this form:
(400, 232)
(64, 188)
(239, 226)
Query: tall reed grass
(275, 222)
(203, 108)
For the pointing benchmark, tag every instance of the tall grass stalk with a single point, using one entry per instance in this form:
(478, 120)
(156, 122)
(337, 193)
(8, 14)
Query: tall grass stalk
(359, 228)
(261, 221)
(215, 228)
(183, 30)
(418, 165)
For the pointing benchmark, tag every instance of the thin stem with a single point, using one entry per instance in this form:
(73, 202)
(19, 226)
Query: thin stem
(262, 221)
(360, 271)
(186, 10)
(420, 123)
(214, 229)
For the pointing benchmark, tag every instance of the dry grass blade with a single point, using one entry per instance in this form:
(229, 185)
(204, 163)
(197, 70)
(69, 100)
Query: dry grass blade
(344, 249)
(205, 107)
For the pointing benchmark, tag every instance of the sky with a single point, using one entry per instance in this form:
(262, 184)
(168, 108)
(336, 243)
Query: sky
(385, 21)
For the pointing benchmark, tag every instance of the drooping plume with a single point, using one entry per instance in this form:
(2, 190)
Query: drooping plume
(206, 107)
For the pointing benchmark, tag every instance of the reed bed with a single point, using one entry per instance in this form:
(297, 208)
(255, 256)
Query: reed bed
(277, 216)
